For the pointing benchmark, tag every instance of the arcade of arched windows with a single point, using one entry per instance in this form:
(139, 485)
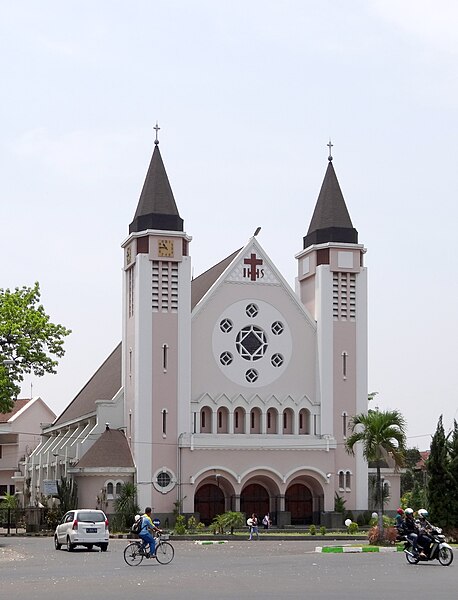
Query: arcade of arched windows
(268, 421)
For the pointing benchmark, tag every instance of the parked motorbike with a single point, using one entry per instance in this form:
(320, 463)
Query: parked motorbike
(438, 549)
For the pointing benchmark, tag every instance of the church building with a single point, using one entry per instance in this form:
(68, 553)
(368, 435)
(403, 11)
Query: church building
(230, 390)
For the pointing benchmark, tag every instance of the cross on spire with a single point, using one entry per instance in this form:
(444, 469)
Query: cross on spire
(156, 141)
(330, 145)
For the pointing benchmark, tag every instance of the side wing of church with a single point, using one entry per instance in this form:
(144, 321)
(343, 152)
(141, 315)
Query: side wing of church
(230, 391)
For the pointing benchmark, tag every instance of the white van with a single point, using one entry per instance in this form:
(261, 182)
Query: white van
(82, 527)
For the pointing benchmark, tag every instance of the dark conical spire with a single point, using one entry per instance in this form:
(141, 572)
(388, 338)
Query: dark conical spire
(330, 221)
(156, 207)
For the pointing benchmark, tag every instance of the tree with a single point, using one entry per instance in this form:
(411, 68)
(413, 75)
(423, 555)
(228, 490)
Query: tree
(382, 434)
(453, 494)
(125, 505)
(412, 474)
(67, 491)
(439, 478)
(9, 504)
(29, 342)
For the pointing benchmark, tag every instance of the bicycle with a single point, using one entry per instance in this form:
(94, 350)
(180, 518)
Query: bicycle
(135, 552)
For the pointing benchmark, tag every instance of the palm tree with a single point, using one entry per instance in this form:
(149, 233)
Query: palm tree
(382, 435)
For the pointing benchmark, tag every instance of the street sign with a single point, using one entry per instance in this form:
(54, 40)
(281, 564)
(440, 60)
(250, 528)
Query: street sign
(50, 487)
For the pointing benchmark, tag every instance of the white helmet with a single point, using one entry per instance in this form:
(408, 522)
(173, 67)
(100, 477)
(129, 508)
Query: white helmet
(408, 511)
(423, 513)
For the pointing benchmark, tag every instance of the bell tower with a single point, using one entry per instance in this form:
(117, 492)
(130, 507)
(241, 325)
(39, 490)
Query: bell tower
(156, 337)
(332, 284)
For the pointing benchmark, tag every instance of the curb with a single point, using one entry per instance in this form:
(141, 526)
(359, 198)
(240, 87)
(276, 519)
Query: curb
(356, 549)
(209, 543)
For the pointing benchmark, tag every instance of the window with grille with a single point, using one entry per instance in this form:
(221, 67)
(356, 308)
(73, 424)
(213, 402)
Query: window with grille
(344, 296)
(164, 286)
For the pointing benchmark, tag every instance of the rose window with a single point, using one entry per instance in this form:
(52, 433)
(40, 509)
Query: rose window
(252, 333)
(251, 343)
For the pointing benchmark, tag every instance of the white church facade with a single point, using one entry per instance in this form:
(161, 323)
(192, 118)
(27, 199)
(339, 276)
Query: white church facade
(229, 391)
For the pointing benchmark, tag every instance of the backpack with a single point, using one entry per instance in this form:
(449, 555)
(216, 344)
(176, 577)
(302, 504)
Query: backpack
(137, 526)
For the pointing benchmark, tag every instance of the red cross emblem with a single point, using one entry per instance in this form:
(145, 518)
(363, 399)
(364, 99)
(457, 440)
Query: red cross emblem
(253, 272)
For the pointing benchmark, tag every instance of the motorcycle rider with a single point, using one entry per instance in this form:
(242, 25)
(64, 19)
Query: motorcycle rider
(425, 527)
(410, 529)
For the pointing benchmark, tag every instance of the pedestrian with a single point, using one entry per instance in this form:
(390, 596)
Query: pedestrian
(266, 521)
(252, 523)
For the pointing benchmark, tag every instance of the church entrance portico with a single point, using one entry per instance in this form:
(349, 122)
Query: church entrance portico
(255, 499)
(209, 501)
(304, 501)
(214, 495)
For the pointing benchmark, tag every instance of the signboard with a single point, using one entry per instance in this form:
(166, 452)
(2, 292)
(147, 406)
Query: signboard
(50, 487)
(156, 522)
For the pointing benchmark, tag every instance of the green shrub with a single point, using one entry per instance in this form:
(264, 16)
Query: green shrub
(322, 530)
(339, 503)
(353, 527)
(312, 529)
(192, 524)
(180, 525)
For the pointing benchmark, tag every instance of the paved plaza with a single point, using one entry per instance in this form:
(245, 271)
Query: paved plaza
(31, 568)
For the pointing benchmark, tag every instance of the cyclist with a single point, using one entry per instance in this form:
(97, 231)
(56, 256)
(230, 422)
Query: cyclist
(146, 533)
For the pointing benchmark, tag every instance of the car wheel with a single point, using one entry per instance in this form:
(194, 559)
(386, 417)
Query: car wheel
(104, 547)
(70, 546)
(57, 546)
(89, 546)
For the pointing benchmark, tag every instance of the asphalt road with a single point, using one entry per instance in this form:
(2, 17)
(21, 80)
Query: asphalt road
(31, 569)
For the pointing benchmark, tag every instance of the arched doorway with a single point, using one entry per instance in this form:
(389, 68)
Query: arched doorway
(298, 501)
(209, 502)
(254, 499)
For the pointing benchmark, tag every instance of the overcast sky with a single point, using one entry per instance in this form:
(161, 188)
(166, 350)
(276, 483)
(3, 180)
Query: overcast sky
(247, 94)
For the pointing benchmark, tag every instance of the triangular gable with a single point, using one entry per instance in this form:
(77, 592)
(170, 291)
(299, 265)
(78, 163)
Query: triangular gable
(205, 399)
(252, 266)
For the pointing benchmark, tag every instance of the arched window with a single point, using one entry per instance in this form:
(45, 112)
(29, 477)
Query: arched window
(288, 421)
(255, 421)
(272, 419)
(304, 422)
(110, 490)
(205, 420)
(348, 481)
(118, 488)
(223, 420)
(341, 481)
(239, 420)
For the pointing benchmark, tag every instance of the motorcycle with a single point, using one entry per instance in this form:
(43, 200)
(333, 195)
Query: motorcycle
(438, 549)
